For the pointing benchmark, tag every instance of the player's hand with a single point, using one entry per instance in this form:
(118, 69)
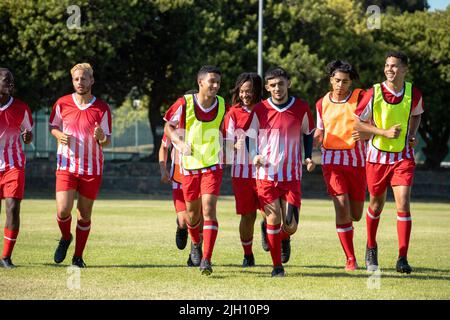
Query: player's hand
(27, 136)
(239, 144)
(356, 135)
(64, 138)
(310, 165)
(184, 148)
(413, 141)
(258, 161)
(99, 135)
(393, 132)
(165, 177)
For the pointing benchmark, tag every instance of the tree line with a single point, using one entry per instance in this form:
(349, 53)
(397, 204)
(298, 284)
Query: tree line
(153, 49)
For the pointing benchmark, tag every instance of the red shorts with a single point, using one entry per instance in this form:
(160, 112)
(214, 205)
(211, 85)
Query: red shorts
(87, 186)
(379, 176)
(12, 183)
(196, 185)
(269, 191)
(178, 200)
(246, 195)
(345, 180)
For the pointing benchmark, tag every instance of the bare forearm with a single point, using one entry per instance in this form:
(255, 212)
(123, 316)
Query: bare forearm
(414, 124)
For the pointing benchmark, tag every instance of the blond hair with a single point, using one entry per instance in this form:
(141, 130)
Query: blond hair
(83, 66)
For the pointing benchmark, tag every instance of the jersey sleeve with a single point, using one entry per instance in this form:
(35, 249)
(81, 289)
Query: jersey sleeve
(55, 119)
(364, 109)
(417, 107)
(175, 113)
(106, 123)
(308, 125)
(27, 122)
(319, 122)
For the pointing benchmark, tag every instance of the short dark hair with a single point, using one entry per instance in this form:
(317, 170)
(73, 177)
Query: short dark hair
(276, 72)
(399, 55)
(342, 66)
(204, 70)
(256, 82)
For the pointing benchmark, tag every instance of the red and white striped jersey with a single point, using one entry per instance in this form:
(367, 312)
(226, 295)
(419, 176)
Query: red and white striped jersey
(355, 157)
(15, 117)
(365, 110)
(83, 155)
(235, 122)
(176, 116)
(279, 132)
(175, 161)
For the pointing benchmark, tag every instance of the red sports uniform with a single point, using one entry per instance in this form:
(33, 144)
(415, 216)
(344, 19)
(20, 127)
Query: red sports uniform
(80, 163)
(278, 131)
(15, 117)
(343, 169)
(389, 168)
(243, 172)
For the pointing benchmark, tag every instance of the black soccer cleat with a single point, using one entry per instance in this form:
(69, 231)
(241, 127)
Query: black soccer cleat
(264, 243)
(205, 267)
(196, 253)
(285, 250)
(403, 266)
(249, 261)
(372, 259)
(189, 262)
(181, 237)
(61, 250)
(6, 263)
(278, 271)
(78, 262)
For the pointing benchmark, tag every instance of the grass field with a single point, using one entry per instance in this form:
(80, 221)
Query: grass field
(131, 254)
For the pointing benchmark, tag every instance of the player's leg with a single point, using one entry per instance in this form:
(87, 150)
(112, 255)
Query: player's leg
(402, 196)
(290, 212)
(181, 234)
(273, 220)
(344, 228)
(378, 178)
(64, 205)
(88, 189)
(210, 230)
(246, 230)
(13, 185)
(11, 230)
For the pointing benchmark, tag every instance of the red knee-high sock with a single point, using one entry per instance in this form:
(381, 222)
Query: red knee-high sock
(64, 226)
(82, 234)
(247, 245)
(9, 240)
(274, 241)
(372, 220)
(194, 232)
(404, 225)
(345, 234)
(210, 229)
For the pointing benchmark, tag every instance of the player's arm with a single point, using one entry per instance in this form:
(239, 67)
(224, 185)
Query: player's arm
(414, 123)
(102, 138)
(62, 137)
(367, 128)
(162, 156)
(308, 140)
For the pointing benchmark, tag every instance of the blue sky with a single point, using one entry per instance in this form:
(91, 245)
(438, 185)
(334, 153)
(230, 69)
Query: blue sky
(438, 4)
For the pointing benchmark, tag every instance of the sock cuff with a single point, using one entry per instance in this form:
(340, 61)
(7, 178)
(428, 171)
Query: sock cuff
(211, 225)
(404, 216)
(273, 229)
(10, 234)
(83, 226)
(372, 214)
(59, 219)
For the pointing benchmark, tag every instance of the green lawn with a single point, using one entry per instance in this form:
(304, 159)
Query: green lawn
(131, 254)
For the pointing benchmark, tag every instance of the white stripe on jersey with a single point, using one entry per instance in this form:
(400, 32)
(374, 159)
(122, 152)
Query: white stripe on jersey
(90, 164)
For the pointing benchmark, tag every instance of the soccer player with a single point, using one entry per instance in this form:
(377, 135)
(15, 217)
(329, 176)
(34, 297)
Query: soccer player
(193, 124)
(343, 152)
(246, 94)
(15, 123)
(391, 111)
(175, 177)
(278, 124)
(82, 125)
